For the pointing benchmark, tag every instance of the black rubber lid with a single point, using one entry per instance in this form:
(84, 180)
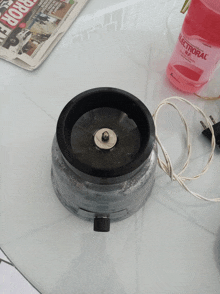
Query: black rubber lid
(109, 108)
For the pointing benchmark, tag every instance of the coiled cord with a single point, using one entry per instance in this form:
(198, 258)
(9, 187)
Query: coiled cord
(166, 165)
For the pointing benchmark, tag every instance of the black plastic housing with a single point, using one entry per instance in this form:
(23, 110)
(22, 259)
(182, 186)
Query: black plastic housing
(207, 133)
(112, 98)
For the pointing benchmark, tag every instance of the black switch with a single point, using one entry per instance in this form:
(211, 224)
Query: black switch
(101, 224)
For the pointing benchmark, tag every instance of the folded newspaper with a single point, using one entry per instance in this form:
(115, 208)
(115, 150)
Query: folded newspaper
(29, 29)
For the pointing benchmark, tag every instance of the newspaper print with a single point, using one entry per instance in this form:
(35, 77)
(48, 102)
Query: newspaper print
(25, 25)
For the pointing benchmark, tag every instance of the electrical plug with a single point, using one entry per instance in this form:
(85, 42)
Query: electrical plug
(216, 127)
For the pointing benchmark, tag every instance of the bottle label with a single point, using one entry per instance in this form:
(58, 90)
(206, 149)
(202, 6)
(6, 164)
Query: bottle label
(192, 49)
(194, 58)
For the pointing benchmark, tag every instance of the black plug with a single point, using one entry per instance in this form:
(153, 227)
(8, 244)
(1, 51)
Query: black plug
(207, 133)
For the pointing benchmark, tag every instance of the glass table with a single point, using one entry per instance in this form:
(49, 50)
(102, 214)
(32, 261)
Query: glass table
(172, 245)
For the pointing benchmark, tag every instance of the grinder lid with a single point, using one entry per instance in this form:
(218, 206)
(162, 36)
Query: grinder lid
(105, 133)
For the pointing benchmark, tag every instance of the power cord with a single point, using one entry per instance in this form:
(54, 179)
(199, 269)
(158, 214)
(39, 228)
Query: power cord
(166, 165)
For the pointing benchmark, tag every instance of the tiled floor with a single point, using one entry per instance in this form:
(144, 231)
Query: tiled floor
(11, 281)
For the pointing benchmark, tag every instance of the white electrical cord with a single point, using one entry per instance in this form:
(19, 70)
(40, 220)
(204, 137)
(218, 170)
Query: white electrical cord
(167, 165)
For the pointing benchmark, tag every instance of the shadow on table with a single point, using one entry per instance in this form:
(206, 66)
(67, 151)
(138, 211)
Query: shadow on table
(217, 250)
(92, 272)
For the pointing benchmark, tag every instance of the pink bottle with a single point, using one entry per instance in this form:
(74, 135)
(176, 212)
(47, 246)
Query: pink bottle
(197, 51)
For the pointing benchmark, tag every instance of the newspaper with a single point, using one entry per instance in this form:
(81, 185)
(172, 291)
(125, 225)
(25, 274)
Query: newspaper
(29, 29)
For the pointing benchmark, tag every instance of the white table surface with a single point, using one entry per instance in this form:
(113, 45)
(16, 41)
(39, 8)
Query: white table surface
(11, 281)
(172, 245)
